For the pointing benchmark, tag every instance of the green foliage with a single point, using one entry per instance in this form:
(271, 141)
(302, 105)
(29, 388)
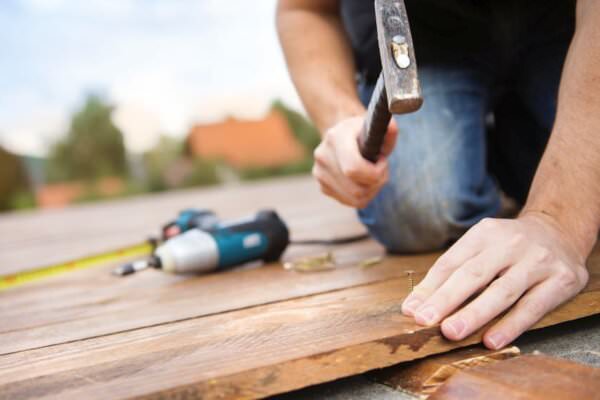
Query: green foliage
(13, 179)
(204, 173)
(92, 148)
(22, 200)
(156, 161)
(303, 130)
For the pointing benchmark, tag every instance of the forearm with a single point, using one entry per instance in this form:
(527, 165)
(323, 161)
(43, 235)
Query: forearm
(319, 59)
(566, 187)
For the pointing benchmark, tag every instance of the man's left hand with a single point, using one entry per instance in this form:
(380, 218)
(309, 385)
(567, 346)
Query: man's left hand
(527, 261)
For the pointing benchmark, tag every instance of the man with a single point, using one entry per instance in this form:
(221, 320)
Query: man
(490, 73)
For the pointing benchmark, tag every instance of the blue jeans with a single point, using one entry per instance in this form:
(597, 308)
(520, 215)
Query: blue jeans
(486, 118)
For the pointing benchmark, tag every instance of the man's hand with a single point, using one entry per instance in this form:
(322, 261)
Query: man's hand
(527, 261)
(340, 169)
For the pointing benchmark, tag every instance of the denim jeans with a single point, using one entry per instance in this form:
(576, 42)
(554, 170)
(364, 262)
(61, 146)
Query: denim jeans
(486, 118)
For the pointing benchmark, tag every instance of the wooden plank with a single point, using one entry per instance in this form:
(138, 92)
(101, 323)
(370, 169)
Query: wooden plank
(247, 333)
(95, 303)
(423, 377)
(530, 377)
(252, 352)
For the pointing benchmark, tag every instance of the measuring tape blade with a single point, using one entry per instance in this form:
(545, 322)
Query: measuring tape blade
(19, 278)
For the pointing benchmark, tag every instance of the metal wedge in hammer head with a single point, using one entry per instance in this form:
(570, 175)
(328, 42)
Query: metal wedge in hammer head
(397, 90)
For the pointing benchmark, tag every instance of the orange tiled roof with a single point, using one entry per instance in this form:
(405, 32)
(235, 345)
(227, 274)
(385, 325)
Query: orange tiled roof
(59, 194)
(55, 195)
(267, 142)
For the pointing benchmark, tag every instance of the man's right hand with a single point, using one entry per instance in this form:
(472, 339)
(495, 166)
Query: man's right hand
(341, 170)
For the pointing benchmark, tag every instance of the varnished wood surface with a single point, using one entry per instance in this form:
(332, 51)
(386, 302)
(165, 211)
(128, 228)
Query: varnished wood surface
(241, 334)
(530, 377)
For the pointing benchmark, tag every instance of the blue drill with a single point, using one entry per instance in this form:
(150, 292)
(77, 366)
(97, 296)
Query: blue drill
(218, 246)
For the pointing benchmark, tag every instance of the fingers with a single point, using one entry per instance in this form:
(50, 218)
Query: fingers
(473, 275)
(390, 138)
(341, 170)
(341, 188)
(354, 166)
(522, 258)
(499, 296)
(464, 249)
(540, 300)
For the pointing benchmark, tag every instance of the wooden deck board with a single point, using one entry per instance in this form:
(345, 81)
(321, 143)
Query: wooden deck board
(252, 352)
(244, 333)
(529, 377)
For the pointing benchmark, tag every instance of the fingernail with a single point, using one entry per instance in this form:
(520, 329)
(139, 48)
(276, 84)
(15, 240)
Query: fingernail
(497, 340)
(456, 327)
(426, 316)
(411, 305)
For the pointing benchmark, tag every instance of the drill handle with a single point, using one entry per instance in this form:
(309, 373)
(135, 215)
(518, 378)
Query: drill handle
(376, 123)
(271, 227)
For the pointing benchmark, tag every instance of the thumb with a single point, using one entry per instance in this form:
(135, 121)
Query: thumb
(390, 138)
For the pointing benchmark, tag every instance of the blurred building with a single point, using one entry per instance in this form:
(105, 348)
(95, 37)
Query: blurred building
(54, 195)
(58, 194)
(268, 142)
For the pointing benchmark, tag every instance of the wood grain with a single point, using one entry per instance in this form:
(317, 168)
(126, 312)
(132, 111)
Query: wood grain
(530, 377)
(241, 334)
(94, 303)
(253, 352)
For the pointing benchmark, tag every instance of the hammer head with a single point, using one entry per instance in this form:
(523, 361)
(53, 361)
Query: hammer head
(399, 66)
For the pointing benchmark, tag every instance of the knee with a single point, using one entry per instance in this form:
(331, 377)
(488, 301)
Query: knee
(415, 224)
(406, 227)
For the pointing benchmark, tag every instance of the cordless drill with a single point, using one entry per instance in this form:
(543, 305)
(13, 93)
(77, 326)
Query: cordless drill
(208, 245)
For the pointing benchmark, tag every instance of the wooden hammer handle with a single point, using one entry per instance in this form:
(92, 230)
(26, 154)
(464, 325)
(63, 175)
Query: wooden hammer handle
(376, 123)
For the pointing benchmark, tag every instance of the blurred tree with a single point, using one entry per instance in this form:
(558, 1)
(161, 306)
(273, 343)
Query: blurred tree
(303, 129)
(203, 173)
(157, 161)
(14, 184)
(92, 148)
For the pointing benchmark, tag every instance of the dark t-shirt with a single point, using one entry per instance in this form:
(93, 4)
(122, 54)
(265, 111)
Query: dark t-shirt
(443, 28)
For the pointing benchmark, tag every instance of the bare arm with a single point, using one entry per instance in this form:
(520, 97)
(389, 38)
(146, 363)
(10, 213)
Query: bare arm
(566, 188)
(319, 59)
(533, 263)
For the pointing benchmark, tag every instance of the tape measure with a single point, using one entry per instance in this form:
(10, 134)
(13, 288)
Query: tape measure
(19, 278)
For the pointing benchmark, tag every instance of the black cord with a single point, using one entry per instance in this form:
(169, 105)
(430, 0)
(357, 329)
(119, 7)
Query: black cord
(331, 242)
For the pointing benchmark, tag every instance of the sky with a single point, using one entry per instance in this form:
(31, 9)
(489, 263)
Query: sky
(163, 64)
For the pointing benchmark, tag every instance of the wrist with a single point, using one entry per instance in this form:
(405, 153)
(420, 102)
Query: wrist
(580, 238)
(342, 110)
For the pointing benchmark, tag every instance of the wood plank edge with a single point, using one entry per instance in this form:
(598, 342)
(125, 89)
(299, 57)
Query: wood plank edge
(328, 366)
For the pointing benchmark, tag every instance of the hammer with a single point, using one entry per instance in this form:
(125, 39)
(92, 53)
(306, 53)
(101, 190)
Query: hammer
(397, 90)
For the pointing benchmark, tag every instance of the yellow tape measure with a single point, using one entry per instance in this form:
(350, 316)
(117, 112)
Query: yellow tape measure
(19, 278)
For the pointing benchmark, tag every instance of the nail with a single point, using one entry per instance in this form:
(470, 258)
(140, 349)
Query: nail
(426, 316)
(411, 305)
(456, 327)
(497, 340)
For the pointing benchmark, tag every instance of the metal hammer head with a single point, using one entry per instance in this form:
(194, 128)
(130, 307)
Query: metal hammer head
(399, 66)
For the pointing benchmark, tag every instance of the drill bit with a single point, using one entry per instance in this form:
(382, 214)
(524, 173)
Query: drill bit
(132, 267)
